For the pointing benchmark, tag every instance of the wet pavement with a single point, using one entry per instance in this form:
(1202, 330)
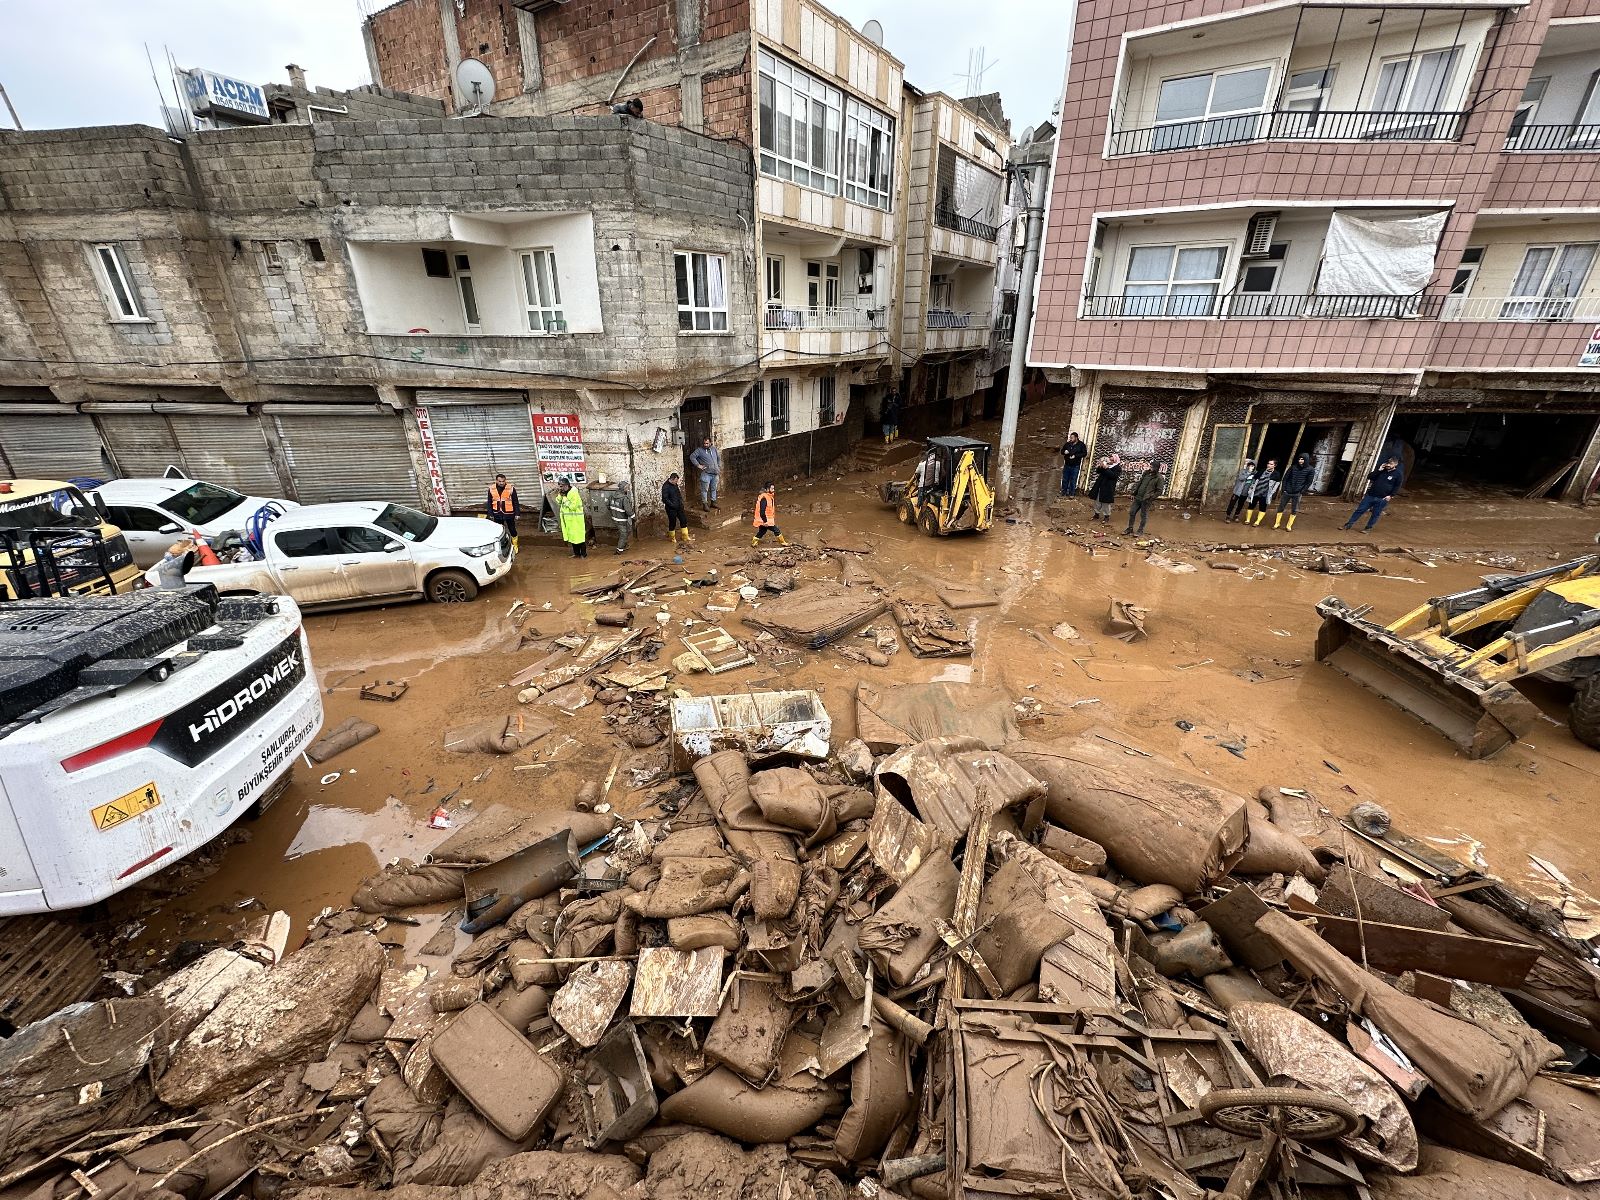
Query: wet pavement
(1229, 653)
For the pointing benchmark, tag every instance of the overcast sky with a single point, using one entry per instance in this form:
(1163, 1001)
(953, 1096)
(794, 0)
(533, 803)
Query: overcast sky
(83, 63)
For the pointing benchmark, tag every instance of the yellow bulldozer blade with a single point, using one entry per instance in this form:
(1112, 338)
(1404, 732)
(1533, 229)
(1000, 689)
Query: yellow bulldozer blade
(1478, 716)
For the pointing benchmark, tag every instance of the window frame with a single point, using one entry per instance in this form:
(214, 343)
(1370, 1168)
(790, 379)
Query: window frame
(755, 413)
(1590, 109)
(1163, 309)
(1408, 84)
(769, 276)
(121, 293)
(1214, 121)
(552, 317)
(827, 401)
(781, 77)
(1528, 109)
(869, 170)
(779, 393)
(467, 292)
(685, 283)
(1514, 306)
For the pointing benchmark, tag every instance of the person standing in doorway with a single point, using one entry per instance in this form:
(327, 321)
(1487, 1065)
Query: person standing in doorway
(1241, 489)
(1073, 452)
(1296, 483)
(1382, 484)
(766, 516)
(1103, 488)
(1262, 489)
(503, 507)
(574, 528)
(1145, 491)
(708, 463)
(677, 515)
(891, 415)
(620, 505)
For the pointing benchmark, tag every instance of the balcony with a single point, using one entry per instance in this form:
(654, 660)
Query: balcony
(777, 318)
(1555, 139)
(949, 329)
(946, 217)
(1290, 125)
(798, 334)
(1542, 309)
(1259, 307)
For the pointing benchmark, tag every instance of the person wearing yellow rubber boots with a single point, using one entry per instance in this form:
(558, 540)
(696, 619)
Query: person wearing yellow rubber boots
(677, 515)
(1262, 488)
(1296, 483)
(766, 517)
(574, 523)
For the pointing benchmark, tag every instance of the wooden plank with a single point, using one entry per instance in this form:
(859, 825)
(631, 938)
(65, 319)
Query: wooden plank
(1354, 894)
(1398, 948)
(1234, 918)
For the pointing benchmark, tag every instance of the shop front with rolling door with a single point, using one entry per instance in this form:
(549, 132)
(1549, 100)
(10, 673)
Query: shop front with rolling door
(50, 445)
(226, 447)
(338, 454)
(478, 435)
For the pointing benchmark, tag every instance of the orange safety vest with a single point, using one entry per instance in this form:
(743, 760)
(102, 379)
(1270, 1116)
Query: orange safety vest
(500, 501)
(766, 511)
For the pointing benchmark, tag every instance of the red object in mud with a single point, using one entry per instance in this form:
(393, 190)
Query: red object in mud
(439, 819)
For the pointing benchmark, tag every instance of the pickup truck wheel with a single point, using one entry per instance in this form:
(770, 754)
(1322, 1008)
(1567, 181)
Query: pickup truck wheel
(1584, 715)
(451, 587)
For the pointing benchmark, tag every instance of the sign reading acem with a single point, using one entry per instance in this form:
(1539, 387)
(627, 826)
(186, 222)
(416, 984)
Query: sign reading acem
(213, 94)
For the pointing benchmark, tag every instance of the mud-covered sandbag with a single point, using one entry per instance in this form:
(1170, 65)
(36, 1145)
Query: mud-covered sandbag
(1139, 904)
(1272, 849)
(706, 929)
(940, 780)
(901, 936)
(1451, 1175)
(525, 959)
(774, 887)
(530, 1175)
(1023, 917)
(352, 731)
(791, 798)
(880, 1095)
(1477, 1070)
(749, 1031)
(724, 777)
(287, 1015)
(1157, 824)
(1296, 1053)
(406, 1125)
(481, 949)
(720, 1100)
(405, 885)
(704, 1166)
(689, 886)
(497, 735)
(499, 831)
(465, 1146)
(698, 841)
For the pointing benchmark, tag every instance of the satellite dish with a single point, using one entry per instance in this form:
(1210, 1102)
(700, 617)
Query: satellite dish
(476, 82)
(1027, 137)
(873, 32)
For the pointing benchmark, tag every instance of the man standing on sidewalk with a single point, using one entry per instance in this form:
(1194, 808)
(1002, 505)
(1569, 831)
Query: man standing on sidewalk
(1382, 484)
(708, 463)
(1145, 491)
(1073, 452)
(503, 507)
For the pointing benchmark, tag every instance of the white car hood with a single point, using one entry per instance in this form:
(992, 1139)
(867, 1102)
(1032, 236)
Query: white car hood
(460, 533)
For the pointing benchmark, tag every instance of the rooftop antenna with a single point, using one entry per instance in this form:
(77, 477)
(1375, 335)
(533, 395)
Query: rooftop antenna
(476, 83)
(873, 32)
(977, 68)
(11, 108)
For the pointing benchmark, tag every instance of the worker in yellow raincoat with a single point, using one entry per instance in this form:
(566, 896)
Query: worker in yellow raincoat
(574, 530)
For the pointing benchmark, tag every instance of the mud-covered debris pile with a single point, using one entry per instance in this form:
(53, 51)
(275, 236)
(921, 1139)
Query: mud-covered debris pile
(924, 963)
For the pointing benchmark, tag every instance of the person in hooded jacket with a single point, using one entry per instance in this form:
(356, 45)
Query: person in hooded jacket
(1296, 483)
(1241, 489)
(1262, 490)
(1103, 489)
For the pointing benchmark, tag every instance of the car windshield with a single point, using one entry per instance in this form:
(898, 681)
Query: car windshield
(201, 503)
(407, 523)
(62, 508)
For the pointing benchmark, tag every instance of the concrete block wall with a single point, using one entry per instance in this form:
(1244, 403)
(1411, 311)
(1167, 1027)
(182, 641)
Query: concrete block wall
(779, 460)
(90, 170)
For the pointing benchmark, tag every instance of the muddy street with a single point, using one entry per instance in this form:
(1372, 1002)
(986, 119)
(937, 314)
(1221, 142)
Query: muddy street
(1225, 681)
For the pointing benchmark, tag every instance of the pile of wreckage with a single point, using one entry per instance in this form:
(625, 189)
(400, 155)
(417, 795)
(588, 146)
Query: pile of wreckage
(935, 961)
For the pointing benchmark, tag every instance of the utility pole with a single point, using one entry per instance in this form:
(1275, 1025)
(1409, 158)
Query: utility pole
(1031, 171)
(11, 108)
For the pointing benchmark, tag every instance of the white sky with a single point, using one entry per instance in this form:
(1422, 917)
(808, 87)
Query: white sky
(67, 63)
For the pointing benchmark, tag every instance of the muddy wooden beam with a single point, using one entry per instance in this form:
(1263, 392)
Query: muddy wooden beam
(1398, 948)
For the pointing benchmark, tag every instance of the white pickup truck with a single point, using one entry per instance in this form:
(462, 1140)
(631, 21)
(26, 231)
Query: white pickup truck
(368, 552)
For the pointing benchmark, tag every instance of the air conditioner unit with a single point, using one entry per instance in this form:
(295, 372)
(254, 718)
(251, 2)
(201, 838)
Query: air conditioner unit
(1258, 235)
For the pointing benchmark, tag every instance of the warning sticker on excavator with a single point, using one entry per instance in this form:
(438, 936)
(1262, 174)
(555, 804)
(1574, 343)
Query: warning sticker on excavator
(115, 812)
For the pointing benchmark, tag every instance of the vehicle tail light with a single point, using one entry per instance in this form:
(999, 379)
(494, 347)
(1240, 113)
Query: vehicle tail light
(134, 739)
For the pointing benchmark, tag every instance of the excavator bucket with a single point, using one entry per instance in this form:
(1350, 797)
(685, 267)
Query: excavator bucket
(1479, 716)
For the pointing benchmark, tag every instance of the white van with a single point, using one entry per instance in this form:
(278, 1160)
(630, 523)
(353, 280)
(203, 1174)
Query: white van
(154, 513)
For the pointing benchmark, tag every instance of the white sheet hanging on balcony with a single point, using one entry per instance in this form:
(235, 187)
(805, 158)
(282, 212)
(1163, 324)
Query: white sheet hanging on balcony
(1379, 256)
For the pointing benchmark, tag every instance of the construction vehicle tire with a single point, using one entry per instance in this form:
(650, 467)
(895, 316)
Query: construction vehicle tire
(1584, 715)
(929, 521)
(908, 512)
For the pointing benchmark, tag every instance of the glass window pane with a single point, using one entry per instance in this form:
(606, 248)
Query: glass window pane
(682, 266)
(1572, 268)
(1240, 90)
(1591, 103)
(702, 319)
(1259, 279)
(685, 319)
(1391, 85)
(469, 299)
(719, 321)
(119, 289)
(1183, 99)
(1200, 262)
(555, 279)
(1150, 262)
(784, 145)
(767, 133)
(1535, 266)
(1431, 82)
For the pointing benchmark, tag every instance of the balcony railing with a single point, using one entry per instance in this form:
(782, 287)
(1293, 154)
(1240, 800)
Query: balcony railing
(1005, 325)
(1519, 308)
(944, 318)
(823, 318)
(947, 217)
(1557, 139)
(1350, 308)
(1290, 125)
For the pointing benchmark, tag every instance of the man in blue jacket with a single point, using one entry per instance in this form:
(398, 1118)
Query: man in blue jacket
(1382, 484)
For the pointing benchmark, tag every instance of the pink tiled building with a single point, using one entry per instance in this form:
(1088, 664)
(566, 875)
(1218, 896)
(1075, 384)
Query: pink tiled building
(1283, 227)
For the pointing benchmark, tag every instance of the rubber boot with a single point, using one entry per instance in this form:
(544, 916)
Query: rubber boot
(1290, 526)
(782, 541)
(755, 541)
(1277, 521)
(1261, 516)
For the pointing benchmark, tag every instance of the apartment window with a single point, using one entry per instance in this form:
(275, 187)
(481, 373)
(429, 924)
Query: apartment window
(868, 154)
(1548, 282)
(1305, 94)
(469, 294)
(813, 285)
(1211, 109)
(827, 414)
(315, 250)
(702, 282)
(1586, 129)
(1173, 281)
(1417, 84)
(1527, 107)
(780, 407)
(118, 279)
(1471, 260)
(830, 285)
(800, 123)
(541, 291)
(1258, 283)
(435, 264)
(754, 418)
(867, 264)
(272, 256)
(774, 280)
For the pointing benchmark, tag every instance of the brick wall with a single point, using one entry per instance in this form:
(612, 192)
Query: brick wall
(487, 31)
(778, 460)
(410, 48)
(726, 103)
(596, 37)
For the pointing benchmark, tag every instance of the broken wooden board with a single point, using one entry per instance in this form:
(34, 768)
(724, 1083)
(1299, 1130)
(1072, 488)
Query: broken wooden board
(677, 983)
(716, 650)
(1397, 948)
(846, 1035)
(1080, 971)
(1350, 893)
(965, 952)
(1234, 918)
(587, 1001)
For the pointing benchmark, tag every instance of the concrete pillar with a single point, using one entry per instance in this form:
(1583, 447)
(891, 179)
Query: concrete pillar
(279, 457)
(370, 42)
(692, 104)
(452, 48)
(1086, 410)
(1588, 462)
(1187, 458)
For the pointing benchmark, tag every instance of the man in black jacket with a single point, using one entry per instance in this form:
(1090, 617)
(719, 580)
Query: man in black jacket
(1382, 484)
(1073, 453)
(1296, 483)
(677, 516)
(1145, 490)
(1103, 488)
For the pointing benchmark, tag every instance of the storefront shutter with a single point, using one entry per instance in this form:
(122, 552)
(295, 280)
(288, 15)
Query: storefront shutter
(143, 443)
(63, 445)
(229, 449)
(348, 456)
(476, 442)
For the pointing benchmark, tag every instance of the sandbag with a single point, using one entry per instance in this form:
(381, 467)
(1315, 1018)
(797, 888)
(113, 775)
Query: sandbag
(940, 780)
(406, 885)
(1451, 1175)
(748, 1038)
(1022, 924)
(1296, 1053)
(350, 732)
(465, 1146)
(497, 735)
(1139, 904)
(774, 887)
(880, 1095)
(1476, 1070)
(707, 929)
(689, 886)
(900, 936)
(1272, 849)
(789, 797)
(525, 959)
(499, 831)
(724, 777)
(407, 1125)
(1157, 824)
(721, 1101)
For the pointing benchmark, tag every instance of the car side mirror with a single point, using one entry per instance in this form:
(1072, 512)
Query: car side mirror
(393, 547)
(171, 527)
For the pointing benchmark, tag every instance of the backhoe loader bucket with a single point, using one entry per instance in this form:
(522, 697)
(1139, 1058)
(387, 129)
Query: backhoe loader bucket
(1479, 717)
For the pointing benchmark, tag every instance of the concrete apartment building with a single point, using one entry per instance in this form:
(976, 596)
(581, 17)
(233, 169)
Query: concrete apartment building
(1341, 229)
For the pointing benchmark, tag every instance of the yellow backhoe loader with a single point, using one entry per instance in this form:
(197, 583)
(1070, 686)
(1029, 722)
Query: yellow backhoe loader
(1453, 661)
(953, 494)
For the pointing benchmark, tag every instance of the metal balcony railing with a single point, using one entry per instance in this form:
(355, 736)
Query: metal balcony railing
(1519, 308)
(1005, 326)
(1559, 139)
(947, 217)
(944, 318)
(779, 319)
(1290, 125)
(1257, 307)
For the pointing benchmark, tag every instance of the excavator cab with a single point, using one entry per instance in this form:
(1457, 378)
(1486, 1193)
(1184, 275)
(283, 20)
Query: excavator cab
(948, 491)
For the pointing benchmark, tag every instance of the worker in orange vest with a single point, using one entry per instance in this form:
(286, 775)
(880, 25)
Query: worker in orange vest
(503, 506)
(766, 518)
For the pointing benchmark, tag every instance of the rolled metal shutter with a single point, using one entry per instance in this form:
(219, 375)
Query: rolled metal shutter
(64, 445)
(142, 442)
(476, 442)
(348, 456)
(227, 448)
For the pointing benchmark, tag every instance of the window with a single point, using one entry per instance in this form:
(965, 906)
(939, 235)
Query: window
(1471, 260)
(1586, 129)
(813, 286)
(435, 264)
(1305, 95)
(118, 279)
(868, 154)
(271, 256)
(826, 411)
(702, 282)
(1210, 109)
(939, 292)
(202, 503)
(780, 407)
(800, 122)
(315, 250)
(1419, 84)
(830, 285)
(541, 292)
(868, 265)
(136, 518)
(1173, 281)
(469, 294)
(302, 543)
(1258, 282)
(361, 539)
(409, 524)
(754, 419)
(774, 280)
(1527, 108)
(1547, 283)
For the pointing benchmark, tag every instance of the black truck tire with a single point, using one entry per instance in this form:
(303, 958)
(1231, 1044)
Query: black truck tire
(451, 587)
(1584, 715)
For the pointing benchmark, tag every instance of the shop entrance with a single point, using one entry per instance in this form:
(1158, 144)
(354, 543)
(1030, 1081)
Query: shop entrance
(1331, 446)
(1505, 453)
